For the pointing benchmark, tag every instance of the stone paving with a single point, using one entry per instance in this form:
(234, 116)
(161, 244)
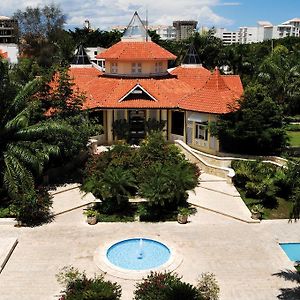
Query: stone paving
(243, 256)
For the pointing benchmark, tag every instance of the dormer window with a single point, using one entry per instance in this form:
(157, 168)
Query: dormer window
(158, 67)
(114, 68)
(136, 68)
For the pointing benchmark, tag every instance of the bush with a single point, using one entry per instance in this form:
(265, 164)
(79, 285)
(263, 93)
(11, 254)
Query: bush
(208, 287)
(79, 287)
(257, 179)
(157, 171)
(164, 286)
(33, 208)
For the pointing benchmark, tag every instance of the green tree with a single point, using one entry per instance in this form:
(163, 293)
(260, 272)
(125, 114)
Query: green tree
(23, 151)
(95, 38)
(256, 127)
(279, 67)
(41, 34)
(112, 187)
(63, 103)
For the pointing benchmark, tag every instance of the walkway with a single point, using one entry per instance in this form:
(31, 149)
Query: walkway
(215, 194)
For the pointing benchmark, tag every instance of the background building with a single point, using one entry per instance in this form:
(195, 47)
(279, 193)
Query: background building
(184, 29)
(262, 32)
(8, 30)
(8, 39)
(165, 32)
(228, 37)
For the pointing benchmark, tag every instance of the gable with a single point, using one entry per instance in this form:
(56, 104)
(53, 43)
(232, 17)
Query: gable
(137, 93)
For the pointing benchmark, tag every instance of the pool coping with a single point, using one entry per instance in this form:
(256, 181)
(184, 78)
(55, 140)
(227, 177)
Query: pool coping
(102, 262)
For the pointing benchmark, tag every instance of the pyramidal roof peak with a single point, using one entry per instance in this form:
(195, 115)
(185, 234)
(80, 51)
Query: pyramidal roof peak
(136, 30)
(191, 57)
(216, 81)
(81, 57)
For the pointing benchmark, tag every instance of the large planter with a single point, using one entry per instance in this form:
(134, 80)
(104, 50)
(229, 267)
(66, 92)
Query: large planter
(255, 215)
(182, 219)
(92, 220)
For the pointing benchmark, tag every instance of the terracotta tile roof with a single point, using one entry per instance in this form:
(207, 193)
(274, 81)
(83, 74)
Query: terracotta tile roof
(218, 95)
(136, 51)
(196, 77)
(213, 96)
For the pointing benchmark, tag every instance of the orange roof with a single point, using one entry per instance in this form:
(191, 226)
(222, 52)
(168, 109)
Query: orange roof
(3, 54)
(214, 96)
(194, 76)
(218, 95)
(136, 51)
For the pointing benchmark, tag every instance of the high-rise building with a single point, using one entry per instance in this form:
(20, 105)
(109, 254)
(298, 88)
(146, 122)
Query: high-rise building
(184, 29)
(262, 32)
(166, 32)
(228, 37)
(8, 30)
(8, 39)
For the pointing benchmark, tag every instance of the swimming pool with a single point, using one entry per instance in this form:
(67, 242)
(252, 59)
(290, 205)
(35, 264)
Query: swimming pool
(292, 250)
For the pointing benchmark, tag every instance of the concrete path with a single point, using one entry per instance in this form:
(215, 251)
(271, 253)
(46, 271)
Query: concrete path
(69, 197)
(215, 194)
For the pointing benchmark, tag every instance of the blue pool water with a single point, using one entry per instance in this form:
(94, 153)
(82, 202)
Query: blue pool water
(292, 250)
(138, 254)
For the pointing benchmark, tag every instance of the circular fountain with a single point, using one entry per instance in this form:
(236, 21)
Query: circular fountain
(138, 254)
(134, 258)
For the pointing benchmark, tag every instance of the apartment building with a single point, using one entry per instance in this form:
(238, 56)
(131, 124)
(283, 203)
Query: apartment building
(228, 37)
(262, 32)
(184, 29)
(8, 30)
(166, 32)
(8, 39)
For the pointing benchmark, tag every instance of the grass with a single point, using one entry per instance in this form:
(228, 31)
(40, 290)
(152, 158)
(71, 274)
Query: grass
(280, 211)
(294, 138)
(298, 269)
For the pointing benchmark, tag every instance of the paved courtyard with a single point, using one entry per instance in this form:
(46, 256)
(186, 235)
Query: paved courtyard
(243, 256)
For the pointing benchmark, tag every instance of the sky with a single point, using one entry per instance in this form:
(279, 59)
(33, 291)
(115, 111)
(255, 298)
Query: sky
(104, 14)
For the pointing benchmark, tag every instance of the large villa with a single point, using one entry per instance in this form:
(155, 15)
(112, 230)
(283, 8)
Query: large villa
(206, 225)
(136, 85)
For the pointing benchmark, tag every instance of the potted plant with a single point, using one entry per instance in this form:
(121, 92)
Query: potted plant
(91, 216)
(183, 214)
(257, 211)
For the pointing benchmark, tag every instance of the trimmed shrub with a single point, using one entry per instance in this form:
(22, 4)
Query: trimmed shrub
(208, 287)
(165, 286)
(33, 208)
(79, 287)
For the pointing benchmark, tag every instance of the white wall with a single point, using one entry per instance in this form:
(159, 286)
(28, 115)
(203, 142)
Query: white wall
(12, 51)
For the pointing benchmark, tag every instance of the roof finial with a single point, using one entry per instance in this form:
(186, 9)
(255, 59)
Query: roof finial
(136, 30)
(191, 57)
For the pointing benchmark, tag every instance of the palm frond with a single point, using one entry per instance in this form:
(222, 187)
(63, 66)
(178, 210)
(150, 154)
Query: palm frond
(26, 156)
(41, 130)
(17, 178)
(21, 120)
(20, 101)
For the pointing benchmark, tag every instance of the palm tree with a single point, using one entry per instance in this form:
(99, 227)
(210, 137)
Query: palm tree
(23, 151)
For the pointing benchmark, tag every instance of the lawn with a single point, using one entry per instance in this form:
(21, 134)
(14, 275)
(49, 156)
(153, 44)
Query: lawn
(294, 138)
(281, 211)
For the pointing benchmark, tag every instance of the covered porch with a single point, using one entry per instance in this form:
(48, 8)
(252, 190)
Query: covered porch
(133, 125)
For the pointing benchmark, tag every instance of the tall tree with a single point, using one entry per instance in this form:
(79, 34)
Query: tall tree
(41, 33)
(23, 151)
(256, 127)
